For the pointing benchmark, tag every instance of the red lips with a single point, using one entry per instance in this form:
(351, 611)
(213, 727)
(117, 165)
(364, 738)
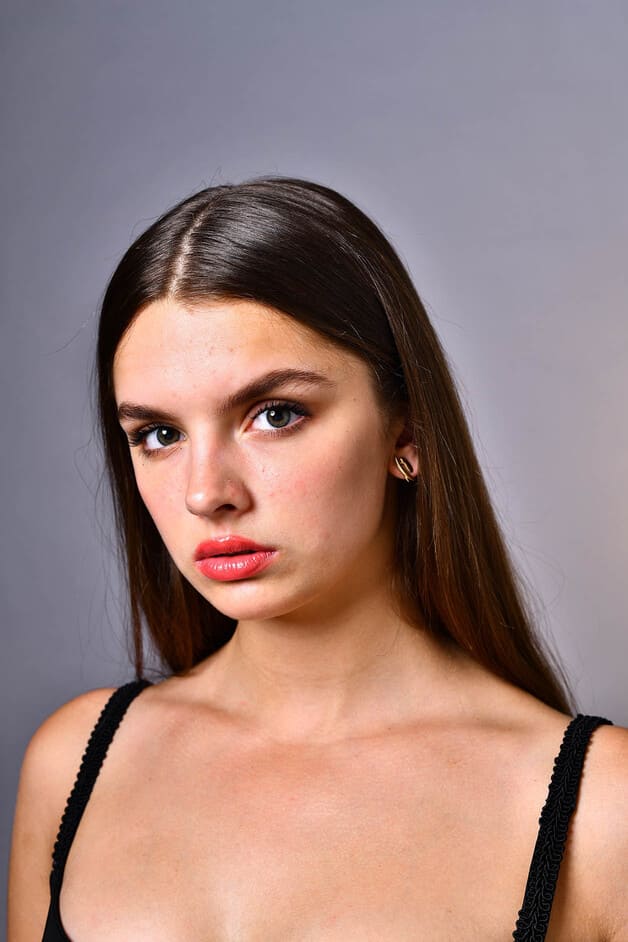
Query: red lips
(232, 558)
(227, 546)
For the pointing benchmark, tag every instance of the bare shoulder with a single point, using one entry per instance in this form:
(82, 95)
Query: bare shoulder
(594, 871)
(604, 791)
(603, 826)
(54, 752)
(49, 767)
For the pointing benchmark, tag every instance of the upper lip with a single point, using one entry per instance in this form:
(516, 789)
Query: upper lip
(227, 544)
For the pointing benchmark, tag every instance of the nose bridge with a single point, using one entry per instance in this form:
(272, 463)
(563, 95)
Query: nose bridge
(210, 478)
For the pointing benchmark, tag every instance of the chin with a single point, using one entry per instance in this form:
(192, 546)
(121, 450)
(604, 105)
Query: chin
(249, 600)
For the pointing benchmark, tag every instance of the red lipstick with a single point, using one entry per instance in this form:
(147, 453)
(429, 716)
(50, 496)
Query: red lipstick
(232, 557)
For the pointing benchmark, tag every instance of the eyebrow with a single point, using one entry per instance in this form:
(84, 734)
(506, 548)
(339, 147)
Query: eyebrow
(257, 388)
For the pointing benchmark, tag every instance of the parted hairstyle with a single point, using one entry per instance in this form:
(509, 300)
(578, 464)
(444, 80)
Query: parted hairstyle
(306, 251)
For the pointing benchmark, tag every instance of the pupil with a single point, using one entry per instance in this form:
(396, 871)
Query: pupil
(274, 412)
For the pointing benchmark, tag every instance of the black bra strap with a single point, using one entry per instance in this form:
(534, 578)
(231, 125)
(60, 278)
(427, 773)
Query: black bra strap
(562, 794)
(93, 757)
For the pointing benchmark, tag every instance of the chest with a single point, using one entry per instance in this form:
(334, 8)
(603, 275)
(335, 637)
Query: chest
(391, 841)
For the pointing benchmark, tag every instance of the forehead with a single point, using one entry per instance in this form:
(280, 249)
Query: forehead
(169, 338)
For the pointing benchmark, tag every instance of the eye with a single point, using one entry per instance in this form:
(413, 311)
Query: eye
(154, 438)
(277, 414)
(162, 436)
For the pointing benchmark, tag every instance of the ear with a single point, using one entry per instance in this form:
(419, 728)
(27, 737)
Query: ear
(404, 448)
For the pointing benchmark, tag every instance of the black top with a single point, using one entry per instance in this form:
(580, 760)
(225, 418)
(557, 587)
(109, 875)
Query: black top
(533, 918)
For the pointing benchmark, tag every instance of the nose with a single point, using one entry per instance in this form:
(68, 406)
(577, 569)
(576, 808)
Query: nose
(213, 483)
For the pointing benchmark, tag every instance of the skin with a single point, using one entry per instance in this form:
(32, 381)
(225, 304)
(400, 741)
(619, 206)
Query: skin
(332, 773)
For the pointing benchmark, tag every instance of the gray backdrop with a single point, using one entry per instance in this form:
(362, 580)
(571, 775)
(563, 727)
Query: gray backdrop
(490, 141)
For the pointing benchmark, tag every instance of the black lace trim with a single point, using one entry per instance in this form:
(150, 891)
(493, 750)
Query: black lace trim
(534, 915)
(95, 752)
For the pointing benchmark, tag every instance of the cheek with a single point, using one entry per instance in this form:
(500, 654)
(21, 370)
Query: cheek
(337, 494)
(160, 496)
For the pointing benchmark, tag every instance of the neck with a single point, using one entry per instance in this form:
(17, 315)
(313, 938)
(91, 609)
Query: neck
(344, 673)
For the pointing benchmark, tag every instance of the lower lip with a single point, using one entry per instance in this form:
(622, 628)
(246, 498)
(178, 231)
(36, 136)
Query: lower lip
(229, 568)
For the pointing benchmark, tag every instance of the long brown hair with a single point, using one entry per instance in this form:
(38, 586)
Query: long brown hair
(308, 252)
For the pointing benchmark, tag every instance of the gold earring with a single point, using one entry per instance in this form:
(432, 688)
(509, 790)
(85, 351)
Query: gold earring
(406, 469)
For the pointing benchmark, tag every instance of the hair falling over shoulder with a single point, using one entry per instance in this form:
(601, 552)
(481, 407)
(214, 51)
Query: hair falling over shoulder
(308, 252)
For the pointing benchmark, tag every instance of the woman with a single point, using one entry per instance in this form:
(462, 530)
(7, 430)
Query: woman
(357, 726)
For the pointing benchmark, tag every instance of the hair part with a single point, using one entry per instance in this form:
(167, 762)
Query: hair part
(306, 251)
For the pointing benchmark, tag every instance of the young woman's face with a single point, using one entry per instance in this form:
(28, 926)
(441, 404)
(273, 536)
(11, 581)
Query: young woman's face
(299, 465)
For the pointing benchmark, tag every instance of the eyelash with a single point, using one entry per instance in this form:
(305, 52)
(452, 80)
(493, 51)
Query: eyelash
(139, 437)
